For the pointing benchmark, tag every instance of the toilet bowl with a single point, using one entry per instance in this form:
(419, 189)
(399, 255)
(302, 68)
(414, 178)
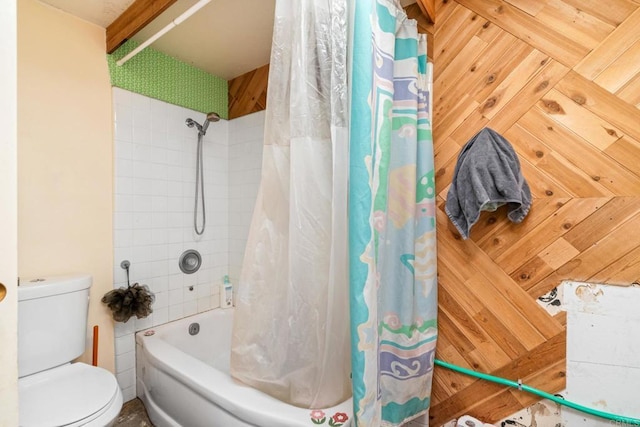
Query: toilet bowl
(52, 321)
(74, 394)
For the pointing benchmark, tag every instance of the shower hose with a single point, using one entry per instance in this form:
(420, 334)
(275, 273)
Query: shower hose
(619, 419)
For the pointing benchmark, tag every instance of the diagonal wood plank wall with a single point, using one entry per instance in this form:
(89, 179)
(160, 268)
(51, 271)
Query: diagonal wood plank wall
(560, 79)
(248, 92)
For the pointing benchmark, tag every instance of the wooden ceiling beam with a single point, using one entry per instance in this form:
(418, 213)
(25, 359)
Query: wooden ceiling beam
(428, 8)
(132, 20)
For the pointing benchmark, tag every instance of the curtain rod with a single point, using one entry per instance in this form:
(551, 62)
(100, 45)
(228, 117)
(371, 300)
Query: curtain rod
(170, 26)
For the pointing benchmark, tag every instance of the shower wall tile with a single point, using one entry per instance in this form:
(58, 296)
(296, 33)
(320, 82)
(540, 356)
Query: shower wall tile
(154, 175)
(246, 137)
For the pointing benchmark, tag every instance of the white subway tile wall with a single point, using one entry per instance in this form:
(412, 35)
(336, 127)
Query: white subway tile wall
(155, 169)
(246, 136)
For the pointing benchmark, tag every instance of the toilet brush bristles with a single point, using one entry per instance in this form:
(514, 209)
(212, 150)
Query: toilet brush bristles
(134, 300)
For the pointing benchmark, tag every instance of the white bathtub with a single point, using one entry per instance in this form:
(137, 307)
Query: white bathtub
(184, 380)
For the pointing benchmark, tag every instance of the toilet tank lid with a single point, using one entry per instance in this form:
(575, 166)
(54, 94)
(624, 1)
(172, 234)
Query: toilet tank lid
(40, 287)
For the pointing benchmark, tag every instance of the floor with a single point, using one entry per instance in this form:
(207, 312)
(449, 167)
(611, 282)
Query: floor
(133, 414)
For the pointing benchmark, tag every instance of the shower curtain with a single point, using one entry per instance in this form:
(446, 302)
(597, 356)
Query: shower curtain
(291, 335)
(392, 244)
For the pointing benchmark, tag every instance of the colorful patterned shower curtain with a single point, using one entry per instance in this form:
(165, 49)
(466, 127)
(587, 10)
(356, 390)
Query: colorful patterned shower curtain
(392, 237)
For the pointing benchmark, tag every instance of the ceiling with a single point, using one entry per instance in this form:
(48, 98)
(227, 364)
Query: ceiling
(222, 38)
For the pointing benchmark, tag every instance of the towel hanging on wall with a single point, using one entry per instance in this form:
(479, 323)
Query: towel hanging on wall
(487, 176)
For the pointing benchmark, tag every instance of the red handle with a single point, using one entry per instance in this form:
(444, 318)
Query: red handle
(94, 362)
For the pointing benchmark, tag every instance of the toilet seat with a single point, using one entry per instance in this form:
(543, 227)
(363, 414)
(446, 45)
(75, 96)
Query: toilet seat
(69, 395)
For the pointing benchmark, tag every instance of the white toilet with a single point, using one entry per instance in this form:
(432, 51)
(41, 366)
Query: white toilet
(52, 325)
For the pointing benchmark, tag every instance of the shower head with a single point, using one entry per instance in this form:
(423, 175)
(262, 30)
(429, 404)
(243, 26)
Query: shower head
(191, 123)
(211, 117)
(202, 129)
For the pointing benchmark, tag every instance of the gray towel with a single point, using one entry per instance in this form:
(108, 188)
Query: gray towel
(487, 176)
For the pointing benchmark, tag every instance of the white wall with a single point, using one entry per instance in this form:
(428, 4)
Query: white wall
(8, 217)
(155, 168)
(65, 156)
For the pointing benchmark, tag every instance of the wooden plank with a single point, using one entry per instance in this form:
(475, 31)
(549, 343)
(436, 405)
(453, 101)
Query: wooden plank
(621, 71)
(522, 72)
(450, 381)
(601, 103)
(428, 8)
(529, 95)
(498, 304)
(488, 354)
(630, 93)
(502, 239)
(446, 87)
(540, 183)
(504, 338)
(602, 222)
(498, 407)
(512, 56)
(458, 339)
(527, 145)
(445, 158)
(459, 28)
(558, 253)
(247, 92)
(492, 67)
(479, 392)
(531, 272)
(563, 178)
(528, 6)
(546, 232)
(504, 298)
(599, 255)
(574, 181)
(579, 120)
(626, 152)
(425, 25)
(551, 380)
(562, 174)
(453, 118)
(545, 38)
(471, 125)
(444, 9)
(575, 23)
(453, 282)
(499, 282)
(132, 20)
(613, 12)
(489, 32)
(574, 149)
(627, 33)
(623, 271)
(489, 223)
(545, 355)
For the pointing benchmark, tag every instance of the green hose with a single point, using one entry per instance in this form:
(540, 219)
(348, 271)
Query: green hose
(591, 411)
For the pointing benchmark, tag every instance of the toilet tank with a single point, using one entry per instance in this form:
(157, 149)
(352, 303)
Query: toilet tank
(52, 321)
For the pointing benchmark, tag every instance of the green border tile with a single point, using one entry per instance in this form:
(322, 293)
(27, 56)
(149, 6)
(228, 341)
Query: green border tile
(160, 76)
